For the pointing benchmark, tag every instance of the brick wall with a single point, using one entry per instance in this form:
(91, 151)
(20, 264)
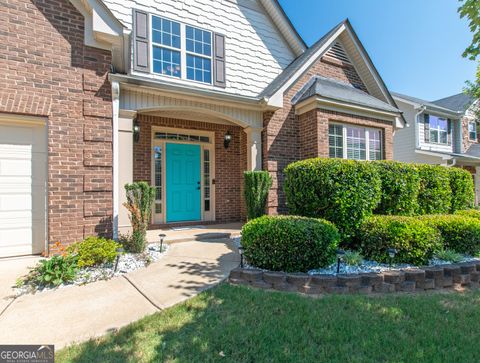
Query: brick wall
(287, 137)
(46, 70)
(229, 163)
(465, 134)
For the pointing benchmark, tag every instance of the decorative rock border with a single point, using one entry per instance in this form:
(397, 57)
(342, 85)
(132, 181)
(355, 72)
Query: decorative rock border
(460, 275)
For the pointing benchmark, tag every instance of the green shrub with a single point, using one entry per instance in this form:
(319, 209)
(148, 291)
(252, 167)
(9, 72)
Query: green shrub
(459, 233)
(400, 186)
(140, 198)
(94, 251)
(415, 241)
(449, 256)
(344, 192)
(256, 187)
(472, 213)
(289, 243)
(463, 192)
(54, 271)
(133, 242)
(352, 258)
(434, 196)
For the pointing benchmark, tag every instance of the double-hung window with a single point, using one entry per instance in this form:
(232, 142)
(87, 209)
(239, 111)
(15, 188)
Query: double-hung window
(181, 51)
(472, 131)
(438, 128)
(357, 143)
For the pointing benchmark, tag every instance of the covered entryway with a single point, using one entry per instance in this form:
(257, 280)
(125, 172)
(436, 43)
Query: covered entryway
(23, 175)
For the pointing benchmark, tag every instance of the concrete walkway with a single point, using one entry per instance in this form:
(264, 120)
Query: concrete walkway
(74, 314)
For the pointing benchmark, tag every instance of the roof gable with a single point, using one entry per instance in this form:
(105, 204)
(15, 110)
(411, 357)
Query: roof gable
(459, 102)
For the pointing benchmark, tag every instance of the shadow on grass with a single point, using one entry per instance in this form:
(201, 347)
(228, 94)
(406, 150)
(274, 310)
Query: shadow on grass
(239, 324)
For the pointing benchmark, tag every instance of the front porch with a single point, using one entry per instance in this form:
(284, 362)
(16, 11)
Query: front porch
(195, 233)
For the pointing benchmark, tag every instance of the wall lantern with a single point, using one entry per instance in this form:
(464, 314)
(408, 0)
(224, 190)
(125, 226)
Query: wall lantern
(136, 131)
(226, 139)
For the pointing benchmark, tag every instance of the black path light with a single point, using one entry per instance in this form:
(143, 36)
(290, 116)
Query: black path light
(119, 253)
(162, 237)
(391, 253)
(240, 250)
(340, 254)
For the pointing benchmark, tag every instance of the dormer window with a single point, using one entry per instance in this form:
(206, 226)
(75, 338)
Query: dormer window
(174, 49)
(472, 131)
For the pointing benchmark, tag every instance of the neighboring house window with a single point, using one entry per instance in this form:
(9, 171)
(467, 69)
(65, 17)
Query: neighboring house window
(438, 129)
(358, 143)
(472, 131)
(181, 50)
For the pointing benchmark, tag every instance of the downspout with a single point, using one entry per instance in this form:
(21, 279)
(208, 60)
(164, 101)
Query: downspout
(421, 109)
(115, 113)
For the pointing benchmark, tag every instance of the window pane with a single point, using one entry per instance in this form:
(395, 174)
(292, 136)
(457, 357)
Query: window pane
(166, 61)
(206, 179)
(375, 144)
(157, 155)
(356, 144)
(335, 141)
(198, 68)
(198, 41)
(165, 32)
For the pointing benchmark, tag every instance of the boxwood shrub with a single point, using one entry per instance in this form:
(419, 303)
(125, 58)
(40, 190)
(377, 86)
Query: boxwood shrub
(434, 196)
(289, 243)
(472, 213)
(459, 233)
(344, 192)
(400, 186)
(415, 241)
(461, 184)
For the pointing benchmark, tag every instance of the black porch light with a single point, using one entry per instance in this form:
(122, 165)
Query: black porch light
(162, 237)
(391, 253)
(240, 250)
(136, 130)
(226, 139)
(340, 254)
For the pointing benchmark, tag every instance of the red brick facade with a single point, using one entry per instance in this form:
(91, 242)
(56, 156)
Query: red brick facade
(288, 137)
(230, 163)
(46, 70)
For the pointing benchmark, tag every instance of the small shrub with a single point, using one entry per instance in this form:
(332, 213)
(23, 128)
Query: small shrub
(140, 197)
(472, 213)
(434, 195)
(459, 233)
(400, 187)
(54, 271)
(449, 255)
(344, 192)
(133, 242)
(463, 192)
(415, 241)
(352, 258)
(94, 251)
(256, 187)
(289, 243)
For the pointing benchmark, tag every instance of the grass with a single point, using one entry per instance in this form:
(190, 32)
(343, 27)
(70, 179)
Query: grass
(240, 324)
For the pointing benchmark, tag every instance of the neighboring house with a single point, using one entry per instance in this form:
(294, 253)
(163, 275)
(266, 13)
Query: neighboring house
(184, 94)
(442, 132)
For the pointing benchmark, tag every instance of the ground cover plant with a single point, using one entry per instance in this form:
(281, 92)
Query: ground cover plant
(241, 324)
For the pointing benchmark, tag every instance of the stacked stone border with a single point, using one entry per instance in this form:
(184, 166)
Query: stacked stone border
(462, 275)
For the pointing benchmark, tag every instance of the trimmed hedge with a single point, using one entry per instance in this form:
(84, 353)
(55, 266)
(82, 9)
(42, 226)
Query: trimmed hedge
(434, 196)
(415, 241)
(459, 233)
(400, 187)
(289, 243)
(463, 192)
(344, 192)
(472, 213)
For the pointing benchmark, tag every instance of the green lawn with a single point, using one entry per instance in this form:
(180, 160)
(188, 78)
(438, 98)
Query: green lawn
(240, 324)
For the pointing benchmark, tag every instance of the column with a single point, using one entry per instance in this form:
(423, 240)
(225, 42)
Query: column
(254, 148)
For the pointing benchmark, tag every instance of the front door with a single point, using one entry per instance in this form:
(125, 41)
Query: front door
(183, 182)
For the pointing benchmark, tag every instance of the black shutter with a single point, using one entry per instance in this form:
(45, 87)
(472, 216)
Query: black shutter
(219, 61)
(449, 130)
(426, 128)
(140, 41)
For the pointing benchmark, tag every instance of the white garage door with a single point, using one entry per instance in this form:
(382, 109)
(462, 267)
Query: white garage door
(23, 168)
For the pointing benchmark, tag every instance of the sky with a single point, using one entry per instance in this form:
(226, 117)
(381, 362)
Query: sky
(416, 45)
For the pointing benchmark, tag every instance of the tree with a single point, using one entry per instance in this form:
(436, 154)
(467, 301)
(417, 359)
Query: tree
(470, 9)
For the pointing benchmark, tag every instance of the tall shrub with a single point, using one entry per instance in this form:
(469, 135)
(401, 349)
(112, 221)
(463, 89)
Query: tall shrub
(344, 192)
(461, 183)
(256, 187)
(140, 197)
(400, 186)
(434, 196)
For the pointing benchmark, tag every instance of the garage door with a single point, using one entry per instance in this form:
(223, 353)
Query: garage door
(23, 168)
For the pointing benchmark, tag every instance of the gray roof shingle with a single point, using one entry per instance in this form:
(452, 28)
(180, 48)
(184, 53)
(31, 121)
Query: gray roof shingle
(459, 102)
(336, 90)
(428, 104)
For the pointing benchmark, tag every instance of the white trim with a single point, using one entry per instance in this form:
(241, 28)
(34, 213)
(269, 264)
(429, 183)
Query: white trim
(7, 118)
(367, 130)
(115, 171)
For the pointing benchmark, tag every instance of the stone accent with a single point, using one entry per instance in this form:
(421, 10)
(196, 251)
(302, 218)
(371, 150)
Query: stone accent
(50, 72)
(229, 163)
(411, 280)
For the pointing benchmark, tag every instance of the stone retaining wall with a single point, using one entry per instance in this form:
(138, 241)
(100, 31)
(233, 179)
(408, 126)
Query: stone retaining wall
(411, 280)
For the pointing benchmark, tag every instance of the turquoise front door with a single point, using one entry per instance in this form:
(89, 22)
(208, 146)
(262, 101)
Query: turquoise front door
(183, 182)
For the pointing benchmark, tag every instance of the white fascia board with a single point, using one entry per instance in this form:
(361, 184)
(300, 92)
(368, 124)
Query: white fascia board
(276, 100)
(434, 154)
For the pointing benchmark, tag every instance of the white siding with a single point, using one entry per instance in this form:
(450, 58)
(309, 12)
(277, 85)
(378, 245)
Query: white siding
(404, 139)
(255, 50)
